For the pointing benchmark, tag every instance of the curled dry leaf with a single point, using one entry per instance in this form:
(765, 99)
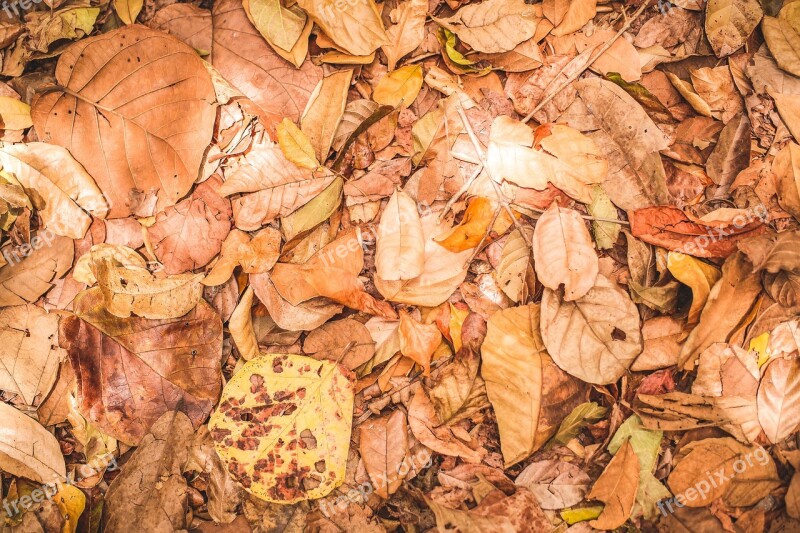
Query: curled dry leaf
(31, 274)
(528, 392)
(426, 427)
(151, 491)
(555, 484)
(356, 27)
(346, 336)
(255, 255)
(594, 338)
(189, 235)
(743, 474)
(132, 370)
(324, 111)
(162, 118)
(29, 353)
(283, 427)
(62, 189)
(241, 326)
(563, 252)
(407, 31)
(418, 341)
(383, 447)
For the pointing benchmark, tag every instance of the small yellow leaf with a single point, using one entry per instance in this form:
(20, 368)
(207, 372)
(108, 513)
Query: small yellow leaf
(128, 10)
(283, 426)
(314, 212)
(697, 275)
(15, 114)
(760, 345)
(295, 145)
(71, 501)
(399, 87)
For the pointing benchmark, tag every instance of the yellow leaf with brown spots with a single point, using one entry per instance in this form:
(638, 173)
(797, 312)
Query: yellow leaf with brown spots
(282, 426)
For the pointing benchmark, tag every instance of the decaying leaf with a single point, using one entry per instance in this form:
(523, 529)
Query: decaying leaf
(27, 449)
(493, 26)
(283, 427)
(616, 487)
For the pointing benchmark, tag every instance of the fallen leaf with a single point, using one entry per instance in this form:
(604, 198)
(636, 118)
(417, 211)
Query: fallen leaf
(563, 252)
(782, 34)
(578, 13)
(481, 216)
(308, 403)
(324, 111)
(401, 246)
(187, 22)
(280, 26)
(346, 336)
(27, 449)
(150, 374)
(493, 26)
(355, 26)
(109, 116)
(555, 484)
(296, 146)
(407, 31)
(779, 387)
(729, 23)
(399, 87)
(594, 338)
(584, 414)
(30, 354)
(27, 277)
(418, 341)
(616, 488)
(383, 447)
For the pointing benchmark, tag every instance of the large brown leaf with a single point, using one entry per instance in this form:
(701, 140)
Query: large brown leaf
(245, 59)
(131, 371)
(187, 22)
(383, 446)
(136, 108)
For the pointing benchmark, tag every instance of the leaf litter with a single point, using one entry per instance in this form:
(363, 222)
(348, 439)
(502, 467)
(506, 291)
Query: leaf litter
(478, 266)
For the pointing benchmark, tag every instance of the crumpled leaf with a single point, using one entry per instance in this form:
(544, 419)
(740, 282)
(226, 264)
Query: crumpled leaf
(355, 26)
(283, 427)
(109, 118)
(280, 26)
(333, 339)
(555, 484)
(255, 255)
(418, 341)
(519, 513)
(29, 352)
(563, 252)
(151, 491)
(189, 234)
(580, 417)
(30, 275)
(493, 26)
(70, 23)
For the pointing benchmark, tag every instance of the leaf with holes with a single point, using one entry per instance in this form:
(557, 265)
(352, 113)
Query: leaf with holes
(283, 427)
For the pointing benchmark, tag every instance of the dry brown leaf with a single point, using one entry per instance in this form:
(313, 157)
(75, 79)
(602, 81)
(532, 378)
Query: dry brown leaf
(27, 449)
(33, 268)
(777, 394)
(418, 341)
(400, 248)
(187, 22)
(161, 119)
(493, 26)
(346, 336)
(594, 338)
(563, 252)
(407, 30)
(30, 355)
(782, 34)
(383, 447)
(578, 13)
(324, 111)
(427, 428)
(729, 23)
(555, 484)
(355, 25)
(616, 488)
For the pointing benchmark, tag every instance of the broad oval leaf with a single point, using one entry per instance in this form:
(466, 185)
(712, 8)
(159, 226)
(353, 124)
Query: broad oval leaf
(730, 22)
(354, 25)
(778, 394)
(782, 34)
(27, 449)
(136, 108)
(563, 252)
(400, 247)
(28, 275)
(283, 427)
(493, 26)
(594, 338)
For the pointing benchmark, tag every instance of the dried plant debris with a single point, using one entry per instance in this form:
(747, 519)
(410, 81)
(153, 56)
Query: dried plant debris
(400, 265)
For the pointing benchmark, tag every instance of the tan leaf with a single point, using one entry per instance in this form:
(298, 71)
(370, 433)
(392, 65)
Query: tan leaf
(748, 473)
(127, 10)
(563, 252)
(622, 57)
(354, 25)
(383, 447)
(63, 189)
(493, 26)
(346, 336)
(529, 393)
(249, 63)
(400, 247)
(14, 113)
(515, 260)
(425, 425)
(555, 484)
(31, 270)
(255, 255)
(306, 316)
(730, 22)
(594, 338)
(616, 488)
(407, 31)
(511, 155)
(777, 394)
(443, 271)
(162, 118)
(309, 429)
(782, 34)
(578, 13)
(240, 326)
(324, 111)
(661, 336)
(418, 341)
(786, 167)
(399, 87)
(189, 234)
(280, 26)
(27, 449)
(315, 212)
(30, 355)
(631, 142)
(187, 22)
(131, 290)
